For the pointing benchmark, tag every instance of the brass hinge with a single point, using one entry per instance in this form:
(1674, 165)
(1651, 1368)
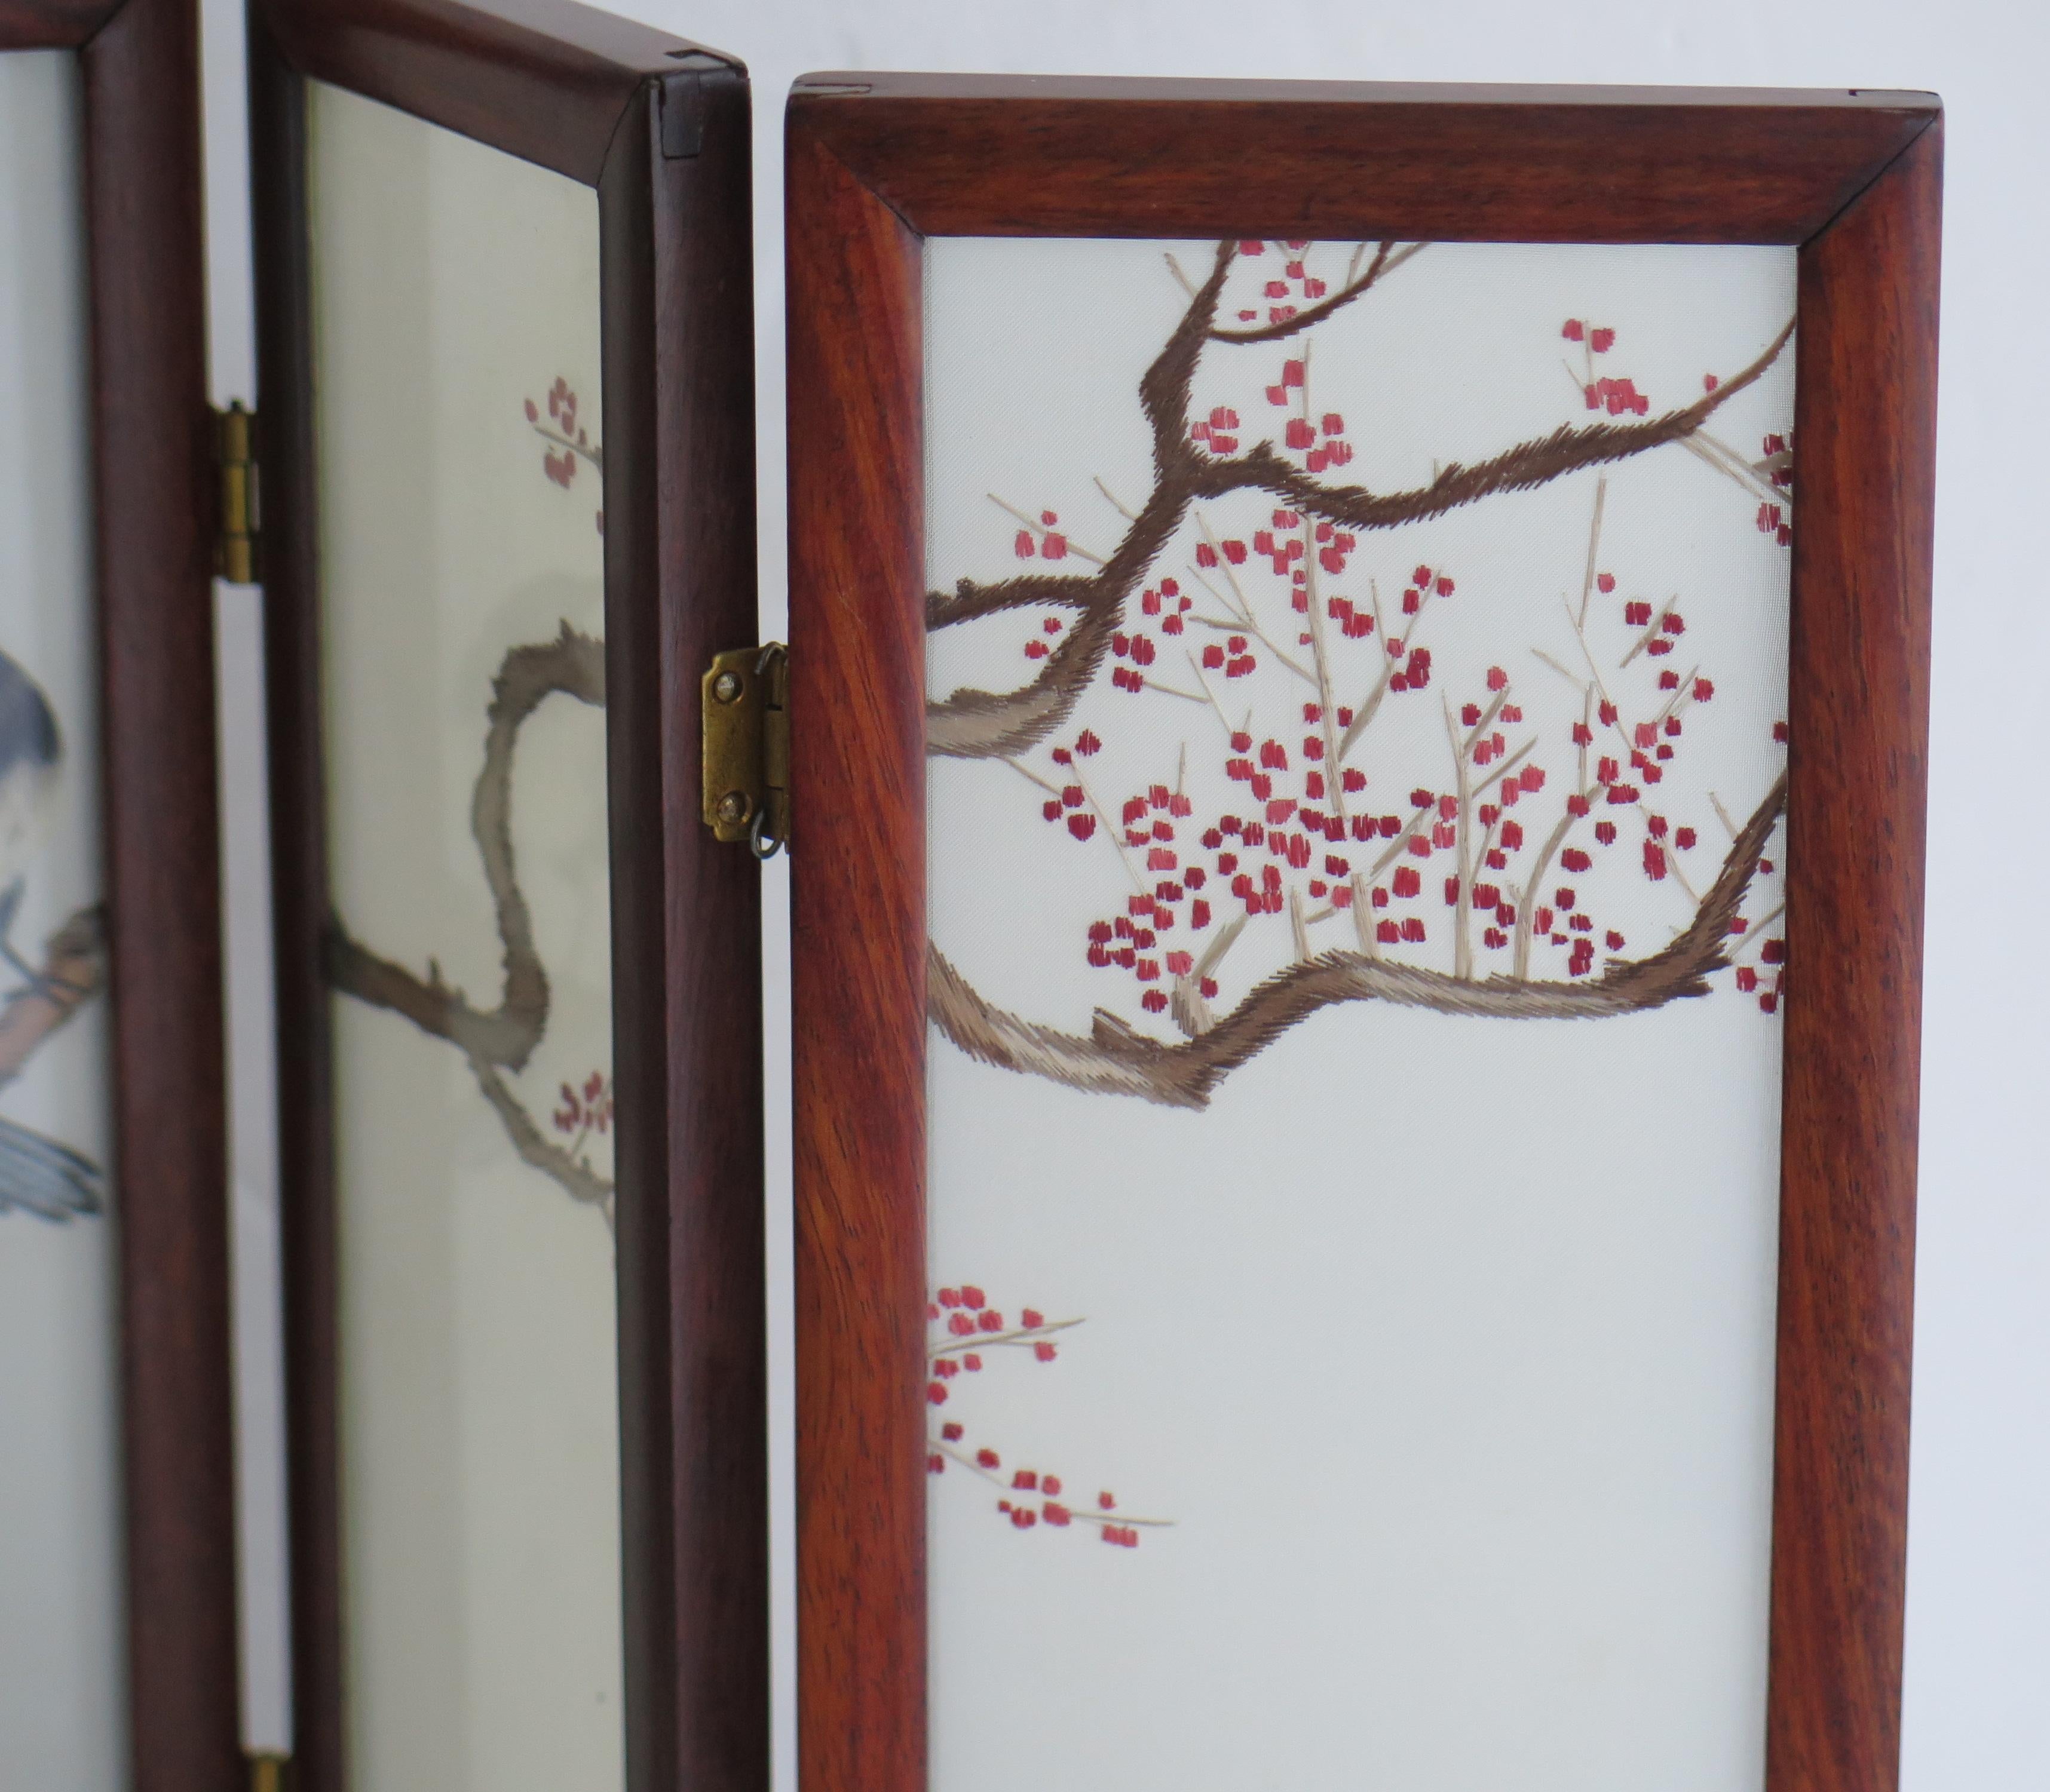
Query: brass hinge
(238, 520)
(747, 747)
(267, 1772)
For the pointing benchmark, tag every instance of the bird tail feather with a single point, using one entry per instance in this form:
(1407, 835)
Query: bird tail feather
(44, 1178)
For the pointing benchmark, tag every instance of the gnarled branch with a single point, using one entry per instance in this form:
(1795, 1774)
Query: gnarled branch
(973, 724)
(505, 1036)
(976, 724)
(1116, 1059)
(1528, 464)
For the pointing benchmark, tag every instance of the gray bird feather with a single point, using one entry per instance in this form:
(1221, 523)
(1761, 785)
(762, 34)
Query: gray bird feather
(41, 1177)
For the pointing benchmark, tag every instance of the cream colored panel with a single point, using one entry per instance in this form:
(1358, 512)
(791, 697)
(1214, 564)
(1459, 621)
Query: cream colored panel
(456, 321)
(1354, 1099)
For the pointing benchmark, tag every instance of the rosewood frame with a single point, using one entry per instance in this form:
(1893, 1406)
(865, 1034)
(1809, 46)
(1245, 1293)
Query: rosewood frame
(153, 505)
(875, 163)
(659, 128)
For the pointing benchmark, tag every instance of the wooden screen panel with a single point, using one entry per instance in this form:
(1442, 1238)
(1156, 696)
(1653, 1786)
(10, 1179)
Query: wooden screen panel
(875, 159)
(636, 216)
(121, 1649)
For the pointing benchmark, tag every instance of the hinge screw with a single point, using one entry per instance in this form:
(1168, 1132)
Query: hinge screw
(727, 688)
(733, 808)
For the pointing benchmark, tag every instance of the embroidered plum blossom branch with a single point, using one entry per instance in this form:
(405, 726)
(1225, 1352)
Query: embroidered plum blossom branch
(1115, 1059)
(982, 724)
(568, 442)
(969, 1327)
(1305, 846)
(502, 1037)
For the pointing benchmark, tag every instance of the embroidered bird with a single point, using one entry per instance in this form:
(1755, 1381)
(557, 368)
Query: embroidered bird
(37, 1174)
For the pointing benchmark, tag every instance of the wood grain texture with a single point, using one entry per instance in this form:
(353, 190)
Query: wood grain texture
(679, 410)
(677, 340)
(547, 80)
(52, 24)
(1864, 439)
(873, 161)
(154, 517)
(858, 909)
(1354, 160)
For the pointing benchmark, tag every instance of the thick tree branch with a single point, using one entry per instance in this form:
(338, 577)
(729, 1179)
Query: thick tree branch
(973, 724)
(505, 1036)
(976, 724)
(575, 665)
(1116, 1059)
(1528, 464)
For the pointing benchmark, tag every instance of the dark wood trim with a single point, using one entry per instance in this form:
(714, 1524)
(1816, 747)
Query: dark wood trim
(154, 515)
(680, 542)
(874, 162)
(1356, 160)
(152, 509)
(1866, 434)
(857, 380)
(298, 871)
(547, 80)
(605, 103)
(52, 24)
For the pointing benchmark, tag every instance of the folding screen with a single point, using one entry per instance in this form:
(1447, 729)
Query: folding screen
(1328, 1245)
(506, 342)
(117, 1633)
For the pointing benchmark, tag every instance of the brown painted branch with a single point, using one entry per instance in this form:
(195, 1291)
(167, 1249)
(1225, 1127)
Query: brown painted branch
(1114, 1058)
(975, 724)
(1528, 464)
(970, 600)
(551, 1160)
(575, 665)
(74, 971)
(1384, 262)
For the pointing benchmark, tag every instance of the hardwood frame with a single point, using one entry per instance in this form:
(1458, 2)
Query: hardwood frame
(153, 505)
(877, 162)
(660, 128)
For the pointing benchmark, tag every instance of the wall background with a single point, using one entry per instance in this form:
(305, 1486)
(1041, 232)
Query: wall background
(1979, 1633)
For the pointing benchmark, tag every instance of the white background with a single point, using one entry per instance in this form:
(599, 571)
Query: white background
(1445, 1342)
(479, 1432)
(60, 1650)
(1978, 1643)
